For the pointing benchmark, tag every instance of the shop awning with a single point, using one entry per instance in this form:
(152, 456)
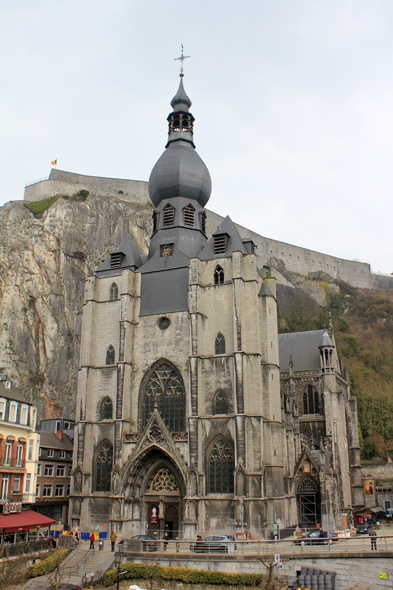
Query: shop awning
(23, 521)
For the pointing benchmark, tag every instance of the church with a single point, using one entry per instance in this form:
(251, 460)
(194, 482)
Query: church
(193, 414)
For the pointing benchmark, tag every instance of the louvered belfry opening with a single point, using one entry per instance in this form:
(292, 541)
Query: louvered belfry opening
(189, 216)
(168, 216)
(116, 259)
(219, 244)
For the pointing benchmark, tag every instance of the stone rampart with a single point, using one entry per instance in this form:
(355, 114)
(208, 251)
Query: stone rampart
(61, 182)
(270, 253)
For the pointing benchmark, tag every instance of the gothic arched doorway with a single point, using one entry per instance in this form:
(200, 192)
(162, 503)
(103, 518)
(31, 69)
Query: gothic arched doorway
(309, 502)
(162, 500)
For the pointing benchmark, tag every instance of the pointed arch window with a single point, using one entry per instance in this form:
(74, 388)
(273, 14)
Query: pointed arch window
(219, 275)
(164, 387)
(220, 403)
(220, 344)
(114, 292)
(110, 356)
(103, 467)
(168, 215)
(310, 401)
(221, 467)
(106, 409)
(189, 216)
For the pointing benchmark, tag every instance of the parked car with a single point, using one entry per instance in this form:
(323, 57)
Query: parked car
(214, 544)
(142, 543)
(363, 529)
(316, 538)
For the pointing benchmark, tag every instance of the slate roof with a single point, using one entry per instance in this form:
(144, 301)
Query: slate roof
(264, 291)
(303, 346)
(131, 257)
(50, 440)
(234, 241)
(13, 392)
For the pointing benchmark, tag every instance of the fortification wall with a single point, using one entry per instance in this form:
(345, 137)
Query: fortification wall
(61, 182)
(271, 253)
(305, 262)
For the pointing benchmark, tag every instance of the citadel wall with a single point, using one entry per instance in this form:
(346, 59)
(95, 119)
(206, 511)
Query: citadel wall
(271, 253)
(61, 182)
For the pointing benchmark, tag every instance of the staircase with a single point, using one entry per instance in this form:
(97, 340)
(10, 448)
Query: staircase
(74, 568)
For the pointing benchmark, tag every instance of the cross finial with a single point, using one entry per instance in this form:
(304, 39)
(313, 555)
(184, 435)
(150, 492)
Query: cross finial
(182, 58)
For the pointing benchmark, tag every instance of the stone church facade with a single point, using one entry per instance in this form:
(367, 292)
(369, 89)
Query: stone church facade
(183, 418)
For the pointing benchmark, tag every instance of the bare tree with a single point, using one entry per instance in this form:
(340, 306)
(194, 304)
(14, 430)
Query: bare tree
(266, 557)
(13, 568)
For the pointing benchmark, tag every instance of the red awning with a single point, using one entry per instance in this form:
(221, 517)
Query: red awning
(23, 521)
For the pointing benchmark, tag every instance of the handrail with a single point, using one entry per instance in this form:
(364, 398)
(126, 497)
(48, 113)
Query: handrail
(35, 181)
(74, 568)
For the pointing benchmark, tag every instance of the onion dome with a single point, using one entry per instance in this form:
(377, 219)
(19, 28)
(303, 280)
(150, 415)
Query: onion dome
(180, 172)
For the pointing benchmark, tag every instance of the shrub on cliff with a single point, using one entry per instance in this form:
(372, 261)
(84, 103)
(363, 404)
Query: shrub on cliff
(38, 207)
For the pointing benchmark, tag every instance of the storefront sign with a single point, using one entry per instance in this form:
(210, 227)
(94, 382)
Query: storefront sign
(9, 507)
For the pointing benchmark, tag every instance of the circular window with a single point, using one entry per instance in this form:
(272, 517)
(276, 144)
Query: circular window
(163, 324)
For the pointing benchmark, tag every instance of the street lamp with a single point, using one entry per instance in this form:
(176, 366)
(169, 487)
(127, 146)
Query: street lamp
(118, 559)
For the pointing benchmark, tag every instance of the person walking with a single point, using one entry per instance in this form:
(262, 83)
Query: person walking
(113, 540)
(373, 536)
(92, 539)
(165, 539)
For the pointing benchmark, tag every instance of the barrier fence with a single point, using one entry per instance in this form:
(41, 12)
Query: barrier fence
(358, 544)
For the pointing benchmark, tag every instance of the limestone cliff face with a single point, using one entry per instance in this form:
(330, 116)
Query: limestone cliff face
(43, 266)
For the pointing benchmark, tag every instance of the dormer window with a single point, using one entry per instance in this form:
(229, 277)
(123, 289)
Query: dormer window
(116, 258)
(169, 216)
(220, 244)
(189, 216)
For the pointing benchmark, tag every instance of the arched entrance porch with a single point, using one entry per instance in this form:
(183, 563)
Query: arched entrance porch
(160, 487)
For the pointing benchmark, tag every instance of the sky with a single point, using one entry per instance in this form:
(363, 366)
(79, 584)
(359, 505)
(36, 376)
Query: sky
(293, 101)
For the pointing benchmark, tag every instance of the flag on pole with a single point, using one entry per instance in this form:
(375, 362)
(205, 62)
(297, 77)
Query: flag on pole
(54, 163)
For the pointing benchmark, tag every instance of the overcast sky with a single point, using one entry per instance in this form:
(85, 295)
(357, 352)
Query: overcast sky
(293, 103)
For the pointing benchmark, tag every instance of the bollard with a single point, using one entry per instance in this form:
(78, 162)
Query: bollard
(177, 544)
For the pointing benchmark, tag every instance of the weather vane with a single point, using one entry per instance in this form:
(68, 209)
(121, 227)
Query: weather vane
(182, 58)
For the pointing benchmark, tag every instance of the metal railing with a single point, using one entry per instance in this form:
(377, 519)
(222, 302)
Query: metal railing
(14, 549)
(289, 546)
(36, 181)
(15, 497)
(14, 462)
(77, 568)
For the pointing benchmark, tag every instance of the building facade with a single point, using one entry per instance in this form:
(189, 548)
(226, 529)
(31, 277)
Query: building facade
(181, 421)
(54, 469)
(19, 444)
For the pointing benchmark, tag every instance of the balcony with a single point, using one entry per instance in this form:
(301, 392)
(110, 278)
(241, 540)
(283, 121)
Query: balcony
(16, 497)
(14, 463)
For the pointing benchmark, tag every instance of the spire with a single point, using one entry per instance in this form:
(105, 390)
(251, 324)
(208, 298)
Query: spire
(181, 102)
(180, 172)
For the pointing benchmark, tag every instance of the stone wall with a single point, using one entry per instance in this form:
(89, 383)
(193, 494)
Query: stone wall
(61, 182)
(350, 568)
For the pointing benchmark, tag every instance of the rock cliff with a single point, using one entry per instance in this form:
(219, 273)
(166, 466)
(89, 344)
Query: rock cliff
(43, 266)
